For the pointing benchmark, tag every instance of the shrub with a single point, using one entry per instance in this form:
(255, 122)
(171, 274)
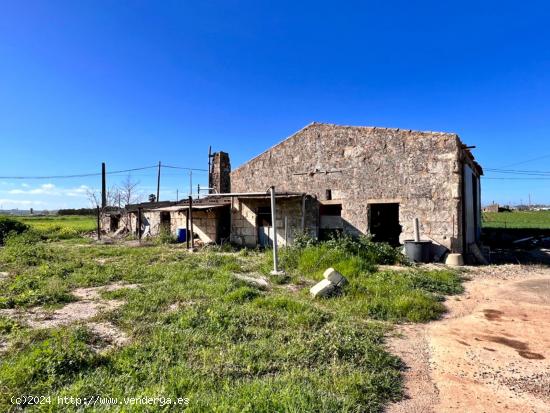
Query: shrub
(349, 255)
(25, 249)
(10, 226)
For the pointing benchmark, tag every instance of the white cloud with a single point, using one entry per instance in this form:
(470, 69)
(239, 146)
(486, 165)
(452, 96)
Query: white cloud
(5, 203)
(51, 190)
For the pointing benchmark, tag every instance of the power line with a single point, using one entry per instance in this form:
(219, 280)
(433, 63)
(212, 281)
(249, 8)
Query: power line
(518, 172)
(85, 175)
(513, 178)
(76, 175)
(527, 161)
(187, 169)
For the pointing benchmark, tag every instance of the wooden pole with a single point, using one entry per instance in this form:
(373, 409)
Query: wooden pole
(158, 184)
(103, 186)
(139, 223)
(98, 224)
(187, 229)
(191, 222)
(209, 169)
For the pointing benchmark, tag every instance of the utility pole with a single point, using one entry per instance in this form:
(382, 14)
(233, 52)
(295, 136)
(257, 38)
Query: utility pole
(158, 184)
(103, 187)
(209, 166)
(177, 195)
(190, 182)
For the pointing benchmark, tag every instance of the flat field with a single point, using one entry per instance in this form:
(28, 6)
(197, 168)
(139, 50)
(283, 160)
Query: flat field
(517, 219)
(83, 319)
(60, 227)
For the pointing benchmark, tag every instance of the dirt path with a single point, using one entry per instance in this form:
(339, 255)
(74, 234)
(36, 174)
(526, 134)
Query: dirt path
(490, 353)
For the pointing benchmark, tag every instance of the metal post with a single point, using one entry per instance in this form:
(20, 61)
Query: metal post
(416, 224)
(286, 231)
(158, 184)
(303, 213)
(98, 225)
(274, 225)
(192, 235)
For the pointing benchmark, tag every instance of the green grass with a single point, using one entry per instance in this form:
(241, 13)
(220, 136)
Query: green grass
(226, 346)
(517, 219)
(60, 227)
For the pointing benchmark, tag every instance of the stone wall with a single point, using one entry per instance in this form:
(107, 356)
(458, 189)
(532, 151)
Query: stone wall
(243, 219)
(204, 224)
(363, 165)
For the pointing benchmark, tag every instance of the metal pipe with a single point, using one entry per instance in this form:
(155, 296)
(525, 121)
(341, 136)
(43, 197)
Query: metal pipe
(286, 231)
(274, 224)
(243, 194)
(98, 225)
(416, 224)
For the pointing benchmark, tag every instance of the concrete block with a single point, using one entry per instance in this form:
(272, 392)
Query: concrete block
(323, 288)
(455, 260)
(335, 277)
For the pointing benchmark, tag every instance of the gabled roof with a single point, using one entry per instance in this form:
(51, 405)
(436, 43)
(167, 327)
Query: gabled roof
(317, 124)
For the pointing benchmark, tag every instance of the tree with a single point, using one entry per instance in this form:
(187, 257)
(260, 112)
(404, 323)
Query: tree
(152, 198)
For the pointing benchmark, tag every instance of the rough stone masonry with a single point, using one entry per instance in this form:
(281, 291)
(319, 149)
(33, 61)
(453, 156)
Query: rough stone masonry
(358, 167)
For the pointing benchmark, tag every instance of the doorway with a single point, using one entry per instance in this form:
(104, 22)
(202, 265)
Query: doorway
(384, 223)
(165, 221)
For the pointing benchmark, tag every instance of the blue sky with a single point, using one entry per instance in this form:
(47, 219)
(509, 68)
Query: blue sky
(132, 83)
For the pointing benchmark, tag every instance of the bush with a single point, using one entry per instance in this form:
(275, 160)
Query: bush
(10, 226)
(349, 255)
(24, 249)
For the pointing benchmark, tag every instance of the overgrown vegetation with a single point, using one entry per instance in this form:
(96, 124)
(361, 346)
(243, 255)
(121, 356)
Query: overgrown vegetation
(60, 227)
(350, 256)
(10, 226)
(198, 332)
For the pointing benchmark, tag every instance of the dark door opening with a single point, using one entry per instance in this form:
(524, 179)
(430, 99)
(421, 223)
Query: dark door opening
(114, 223)
(165, 221)
(384, 223)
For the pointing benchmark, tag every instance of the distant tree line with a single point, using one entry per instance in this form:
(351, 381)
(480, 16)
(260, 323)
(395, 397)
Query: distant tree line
(77, 211)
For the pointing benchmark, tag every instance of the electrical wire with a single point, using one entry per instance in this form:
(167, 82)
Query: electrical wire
(85, 175)
(77, 175)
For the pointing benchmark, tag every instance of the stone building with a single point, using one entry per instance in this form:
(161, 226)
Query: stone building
(337, 179)
(364, 180)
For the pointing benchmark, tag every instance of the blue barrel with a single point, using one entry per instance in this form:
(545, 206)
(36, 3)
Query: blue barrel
(181, 234)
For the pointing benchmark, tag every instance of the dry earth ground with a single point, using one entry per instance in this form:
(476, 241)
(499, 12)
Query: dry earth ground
(89, 305)
(490, 353)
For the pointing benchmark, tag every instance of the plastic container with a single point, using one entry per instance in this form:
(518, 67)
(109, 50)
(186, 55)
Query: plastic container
(418, 251)
(181, 234)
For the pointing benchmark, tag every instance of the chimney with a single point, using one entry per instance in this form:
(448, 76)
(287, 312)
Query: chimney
(220, 170)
